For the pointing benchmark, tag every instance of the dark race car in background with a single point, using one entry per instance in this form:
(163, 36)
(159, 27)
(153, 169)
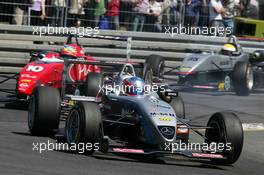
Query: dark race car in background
(224, 71)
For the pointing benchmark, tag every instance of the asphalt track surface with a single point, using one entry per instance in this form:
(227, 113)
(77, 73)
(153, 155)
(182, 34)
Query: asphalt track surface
(17, 155)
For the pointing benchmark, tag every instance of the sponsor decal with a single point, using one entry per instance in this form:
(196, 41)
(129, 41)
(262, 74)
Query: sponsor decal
(167, 131)
(23, 85)
(78, 72)
(165, 119)
(158, 113)
(193, 59)
(25, 81)
(162, 114)
(175, 94)
(28, 76)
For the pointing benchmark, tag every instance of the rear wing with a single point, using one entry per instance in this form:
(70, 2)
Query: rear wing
(106, 37)
(104, 63)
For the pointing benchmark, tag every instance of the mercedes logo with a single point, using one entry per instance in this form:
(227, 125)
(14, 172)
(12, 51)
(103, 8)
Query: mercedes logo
(167, 131)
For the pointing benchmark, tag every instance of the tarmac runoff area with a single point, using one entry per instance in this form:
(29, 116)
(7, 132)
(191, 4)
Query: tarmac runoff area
(17, 157)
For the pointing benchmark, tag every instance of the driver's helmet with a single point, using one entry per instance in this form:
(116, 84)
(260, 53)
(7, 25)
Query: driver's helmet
(72, 50)
(229, 49)
(133, 86)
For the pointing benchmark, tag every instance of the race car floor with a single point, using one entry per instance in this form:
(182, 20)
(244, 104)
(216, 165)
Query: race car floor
(17, 155)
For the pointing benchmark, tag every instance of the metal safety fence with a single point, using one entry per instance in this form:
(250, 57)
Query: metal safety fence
(115, 14)
(16, 44)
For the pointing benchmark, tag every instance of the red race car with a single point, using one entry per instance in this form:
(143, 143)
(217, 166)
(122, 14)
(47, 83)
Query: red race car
(46, 69)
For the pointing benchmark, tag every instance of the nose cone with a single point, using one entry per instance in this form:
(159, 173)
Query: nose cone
(164, 120)
(25, 86)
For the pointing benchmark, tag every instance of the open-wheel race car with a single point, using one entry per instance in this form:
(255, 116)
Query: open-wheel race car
(231, 69)
(124, 120)
(46, 68)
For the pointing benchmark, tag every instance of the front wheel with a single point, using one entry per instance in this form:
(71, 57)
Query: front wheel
(157, 63)
(44, 111)
(93, 84)
(84, 126)
(178, 105)
(147, 74)
(225, 128)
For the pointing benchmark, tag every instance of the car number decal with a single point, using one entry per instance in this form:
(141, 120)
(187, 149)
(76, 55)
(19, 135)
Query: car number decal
(34, 68)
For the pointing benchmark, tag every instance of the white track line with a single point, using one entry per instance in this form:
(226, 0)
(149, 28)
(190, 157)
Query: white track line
(247, 127)
(253, 126)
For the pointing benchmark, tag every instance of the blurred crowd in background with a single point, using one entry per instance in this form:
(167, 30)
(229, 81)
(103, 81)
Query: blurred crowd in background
(132, 15)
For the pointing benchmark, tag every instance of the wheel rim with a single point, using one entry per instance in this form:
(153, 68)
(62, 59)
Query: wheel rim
(73, 127)
(250, 78)
(215, 134)
(31, 112)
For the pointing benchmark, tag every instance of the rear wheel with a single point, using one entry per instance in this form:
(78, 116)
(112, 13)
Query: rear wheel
(226, 128)
(147, 74)
(178, 105)
(157, 64)
(243, 78)
(84, 126)
(93, 83)
(44, 111)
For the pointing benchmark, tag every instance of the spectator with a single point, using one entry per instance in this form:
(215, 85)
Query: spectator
(261, 9)
(237, 10)
(249, 9)
(76, 12)
(37, 13)
(192, 9)
(141, 8)
(228, 14)
(204, 14)
(215, 12)
(171, 10)
(58, 12)
(99, 11)
(165, 10)
(125, 13)
(155, 15)
(113, 14)
(20, 12)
